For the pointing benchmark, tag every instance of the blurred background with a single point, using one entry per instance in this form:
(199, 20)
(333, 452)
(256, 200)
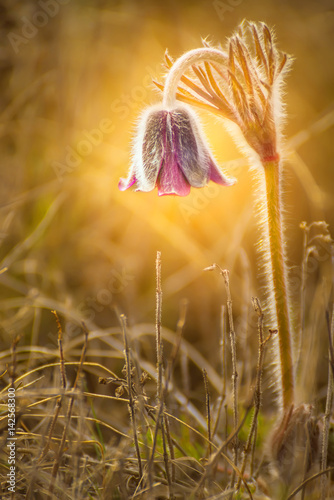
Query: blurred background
(75, 76)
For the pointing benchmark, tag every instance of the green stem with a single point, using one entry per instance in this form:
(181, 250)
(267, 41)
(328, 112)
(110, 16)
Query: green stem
(279, 279)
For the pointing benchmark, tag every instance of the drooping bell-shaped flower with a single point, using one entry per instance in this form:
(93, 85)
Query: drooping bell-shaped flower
(170, 152)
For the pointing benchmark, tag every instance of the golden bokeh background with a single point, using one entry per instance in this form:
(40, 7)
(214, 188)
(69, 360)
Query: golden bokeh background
(75, 75)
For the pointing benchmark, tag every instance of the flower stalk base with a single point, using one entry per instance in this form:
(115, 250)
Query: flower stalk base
(279, 279)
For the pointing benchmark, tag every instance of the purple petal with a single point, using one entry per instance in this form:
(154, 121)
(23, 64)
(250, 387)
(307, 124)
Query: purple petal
(152, 149)
(187, 144)
(171, 179)
(217, 176)
(126, 183)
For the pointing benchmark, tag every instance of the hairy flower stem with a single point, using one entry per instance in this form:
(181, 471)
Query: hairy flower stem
(194, 56)
(279, 279)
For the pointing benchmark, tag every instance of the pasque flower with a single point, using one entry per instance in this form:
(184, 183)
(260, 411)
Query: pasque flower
(241, 85)
(171, 153)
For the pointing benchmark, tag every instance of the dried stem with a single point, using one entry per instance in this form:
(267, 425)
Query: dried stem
(63, 386)
(158, 326)
(225, 275)
(307, 455)
(308, 480)
(61, 352)
(60, 451)
(214, 458)
(305, 229)
(223, 364)
(233, 341)
(171, 451)
(160, 421)
(166, 458)
(208, 412)
(258, 387)
(132, 410)
(328, 412)
(160, 393)
(179, 331)
(12, 368)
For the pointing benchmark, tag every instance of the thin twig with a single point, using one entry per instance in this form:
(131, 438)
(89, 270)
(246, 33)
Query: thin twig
(59, 400)
(159, 401)
(305, 229)
(12, 368)
(308, 480)
(330, 342)
(130, 391)
(213, 461)
(179, 331)
(208, 412)
(158, 326)
(307, 456)
(327, 416)
(166, 459)
(258, 386)
(61, 352)
(161, 408)
(170, 447)
(56, 463)
(225, 274)
(223, 365)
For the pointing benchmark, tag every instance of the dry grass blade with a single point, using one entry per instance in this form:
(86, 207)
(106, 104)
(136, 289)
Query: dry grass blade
(208, 410)
(225, 274)
(161, 420)
(179, 330)
(61, 352)
(213, 461)
(223, 367)
(132, 411)
(159, 347)
(159, 368)
(34, 236)
(328, 412)
(57, 461)
(258, 389)
(330, 330)
(12, 368)
(63, 385)
(308, 480)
